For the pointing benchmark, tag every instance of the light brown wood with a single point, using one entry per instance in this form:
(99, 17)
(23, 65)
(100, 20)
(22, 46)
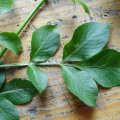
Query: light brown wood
(56, 103)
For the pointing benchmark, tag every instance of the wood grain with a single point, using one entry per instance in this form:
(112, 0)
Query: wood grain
(56, 103)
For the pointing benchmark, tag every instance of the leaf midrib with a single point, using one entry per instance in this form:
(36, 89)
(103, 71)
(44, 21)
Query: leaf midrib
(10, 91)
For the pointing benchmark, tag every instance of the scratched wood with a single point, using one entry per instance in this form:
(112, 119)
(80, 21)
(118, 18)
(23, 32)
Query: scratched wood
(56, 103)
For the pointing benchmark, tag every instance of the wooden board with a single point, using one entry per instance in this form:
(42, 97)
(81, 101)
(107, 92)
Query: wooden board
(56, 103)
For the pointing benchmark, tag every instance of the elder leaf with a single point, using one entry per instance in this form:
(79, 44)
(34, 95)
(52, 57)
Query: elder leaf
(19, 91)
(37, 77)
(7, 110)
(11, 41)
(6, 5)
(88, 39)
(85, 7)
(80, 84)
(104, 68)
(45, 42)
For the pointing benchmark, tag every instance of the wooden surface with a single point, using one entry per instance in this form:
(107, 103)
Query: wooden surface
(56, 103)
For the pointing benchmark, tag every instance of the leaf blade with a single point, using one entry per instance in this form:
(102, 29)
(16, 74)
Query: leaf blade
(17, 89)
(88, 40)
(104, 68)
(45, 42)
(11, 41)
(37, 77)
(85, 7)
(6, 5)
(81, 85)
(7, 110)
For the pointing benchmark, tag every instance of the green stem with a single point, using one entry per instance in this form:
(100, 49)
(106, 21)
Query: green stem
(26, 64)
(30, 16)
(25, 23)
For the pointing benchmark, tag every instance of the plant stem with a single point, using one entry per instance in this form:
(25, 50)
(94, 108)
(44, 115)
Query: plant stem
(25, 23)
(26, 64)
(30, 16)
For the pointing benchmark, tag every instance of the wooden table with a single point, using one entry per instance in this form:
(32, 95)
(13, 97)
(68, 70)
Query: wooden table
(56, 103)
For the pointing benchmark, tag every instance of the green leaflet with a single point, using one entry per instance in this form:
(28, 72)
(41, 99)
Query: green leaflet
(37, 77)
(11, 41)
(2, 75)
(104, 68)
(45, 42)
(80, 84)
(7, 110)
(6, 5)
(88, 40)
(19, 91)
(85, 7)
(74, 1)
